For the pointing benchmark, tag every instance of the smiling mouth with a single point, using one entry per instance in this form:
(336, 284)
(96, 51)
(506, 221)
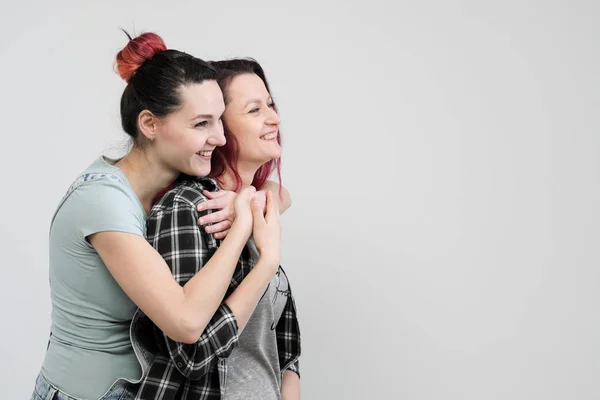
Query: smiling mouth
(207, 153)
(269, 136)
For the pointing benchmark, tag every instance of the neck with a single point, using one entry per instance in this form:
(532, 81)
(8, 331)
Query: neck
(146, 175)
(227, 180)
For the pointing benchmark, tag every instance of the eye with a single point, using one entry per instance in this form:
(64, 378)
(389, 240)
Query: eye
(271, 105)
(201, 124)
(255, 109)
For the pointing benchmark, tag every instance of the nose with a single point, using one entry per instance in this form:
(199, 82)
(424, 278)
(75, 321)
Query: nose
(273, 118)
(217, 137)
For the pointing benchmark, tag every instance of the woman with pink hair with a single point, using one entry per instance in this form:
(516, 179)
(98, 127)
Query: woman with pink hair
(242, 354)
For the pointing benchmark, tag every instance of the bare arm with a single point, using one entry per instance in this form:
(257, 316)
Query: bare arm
(182, 313)
(267, 236)
(244, 299)
(290, 386)
(186, 249)
(174, 233)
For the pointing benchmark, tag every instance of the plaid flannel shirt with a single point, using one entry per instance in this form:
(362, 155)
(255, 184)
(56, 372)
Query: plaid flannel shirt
(174, 370)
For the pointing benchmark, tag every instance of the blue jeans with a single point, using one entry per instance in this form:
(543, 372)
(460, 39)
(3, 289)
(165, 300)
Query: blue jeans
(44, 390)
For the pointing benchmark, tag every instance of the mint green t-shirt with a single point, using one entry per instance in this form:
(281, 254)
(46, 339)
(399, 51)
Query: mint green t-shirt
(89, 347)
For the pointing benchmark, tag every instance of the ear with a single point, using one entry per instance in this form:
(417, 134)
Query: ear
(148, 124)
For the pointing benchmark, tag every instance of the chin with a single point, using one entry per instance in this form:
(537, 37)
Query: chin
(265, 160)
(204, 171)
(271, 155)
(197, 170)
(270, 150)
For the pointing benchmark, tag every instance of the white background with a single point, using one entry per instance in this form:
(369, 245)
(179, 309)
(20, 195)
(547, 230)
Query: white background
(442, 156)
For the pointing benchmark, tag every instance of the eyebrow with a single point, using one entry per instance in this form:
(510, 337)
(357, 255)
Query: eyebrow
(256, 101)
(203, 116)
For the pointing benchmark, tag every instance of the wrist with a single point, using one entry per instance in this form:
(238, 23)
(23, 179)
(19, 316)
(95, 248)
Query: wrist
(242, 223)
(268, 260)
(241, 229)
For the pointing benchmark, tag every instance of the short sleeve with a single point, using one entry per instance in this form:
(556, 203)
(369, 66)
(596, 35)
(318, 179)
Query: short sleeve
(102, 205)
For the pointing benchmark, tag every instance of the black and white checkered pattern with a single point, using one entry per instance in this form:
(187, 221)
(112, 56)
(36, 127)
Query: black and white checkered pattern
(195, 371)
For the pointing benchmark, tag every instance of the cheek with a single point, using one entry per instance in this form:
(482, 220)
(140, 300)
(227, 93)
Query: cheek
(242, 141)
(172, 134)
(184, 140)
(245, 128)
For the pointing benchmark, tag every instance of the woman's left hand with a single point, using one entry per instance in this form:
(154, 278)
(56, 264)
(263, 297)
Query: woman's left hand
(221, 220)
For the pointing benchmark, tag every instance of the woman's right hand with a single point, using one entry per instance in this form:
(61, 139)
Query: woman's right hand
(267, 228)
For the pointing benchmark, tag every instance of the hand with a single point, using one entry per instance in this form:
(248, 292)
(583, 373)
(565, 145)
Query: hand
(243, 211)
(266, 228)
(221, 221)
(261, 196)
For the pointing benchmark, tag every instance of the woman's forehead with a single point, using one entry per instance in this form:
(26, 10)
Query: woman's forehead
(245, 88)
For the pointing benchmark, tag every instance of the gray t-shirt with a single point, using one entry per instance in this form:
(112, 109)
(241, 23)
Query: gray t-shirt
(253, 370)
(89, 346)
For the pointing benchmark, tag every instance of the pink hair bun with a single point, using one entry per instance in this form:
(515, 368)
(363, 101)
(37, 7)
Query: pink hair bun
(138, 50)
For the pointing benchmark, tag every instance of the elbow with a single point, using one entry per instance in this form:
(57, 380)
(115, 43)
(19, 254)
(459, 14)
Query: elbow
(185, 338)
(188, 331)
(182, 336)
(182, 328)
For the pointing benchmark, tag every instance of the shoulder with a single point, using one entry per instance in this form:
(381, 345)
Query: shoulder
(102, 190)
(187, 193)
(102, 187)
(98, 202)
(101, 177)
(175, 214)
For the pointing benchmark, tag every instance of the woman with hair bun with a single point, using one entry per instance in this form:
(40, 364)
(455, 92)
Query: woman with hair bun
(102, 268)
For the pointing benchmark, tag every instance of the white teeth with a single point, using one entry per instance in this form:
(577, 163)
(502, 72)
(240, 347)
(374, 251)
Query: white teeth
(204, 153)
(270, 136)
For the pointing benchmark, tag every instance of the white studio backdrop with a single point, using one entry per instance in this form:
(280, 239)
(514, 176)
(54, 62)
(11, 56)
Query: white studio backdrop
(442, 158)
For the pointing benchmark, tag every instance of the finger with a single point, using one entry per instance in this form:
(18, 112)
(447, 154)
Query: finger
(247, 193)
(272, 207)
(212, 204)
(213, 218)
(261, 197)
(249, 190)
(257, 209)
(221, 235)
(220, 227)
(214, 195)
